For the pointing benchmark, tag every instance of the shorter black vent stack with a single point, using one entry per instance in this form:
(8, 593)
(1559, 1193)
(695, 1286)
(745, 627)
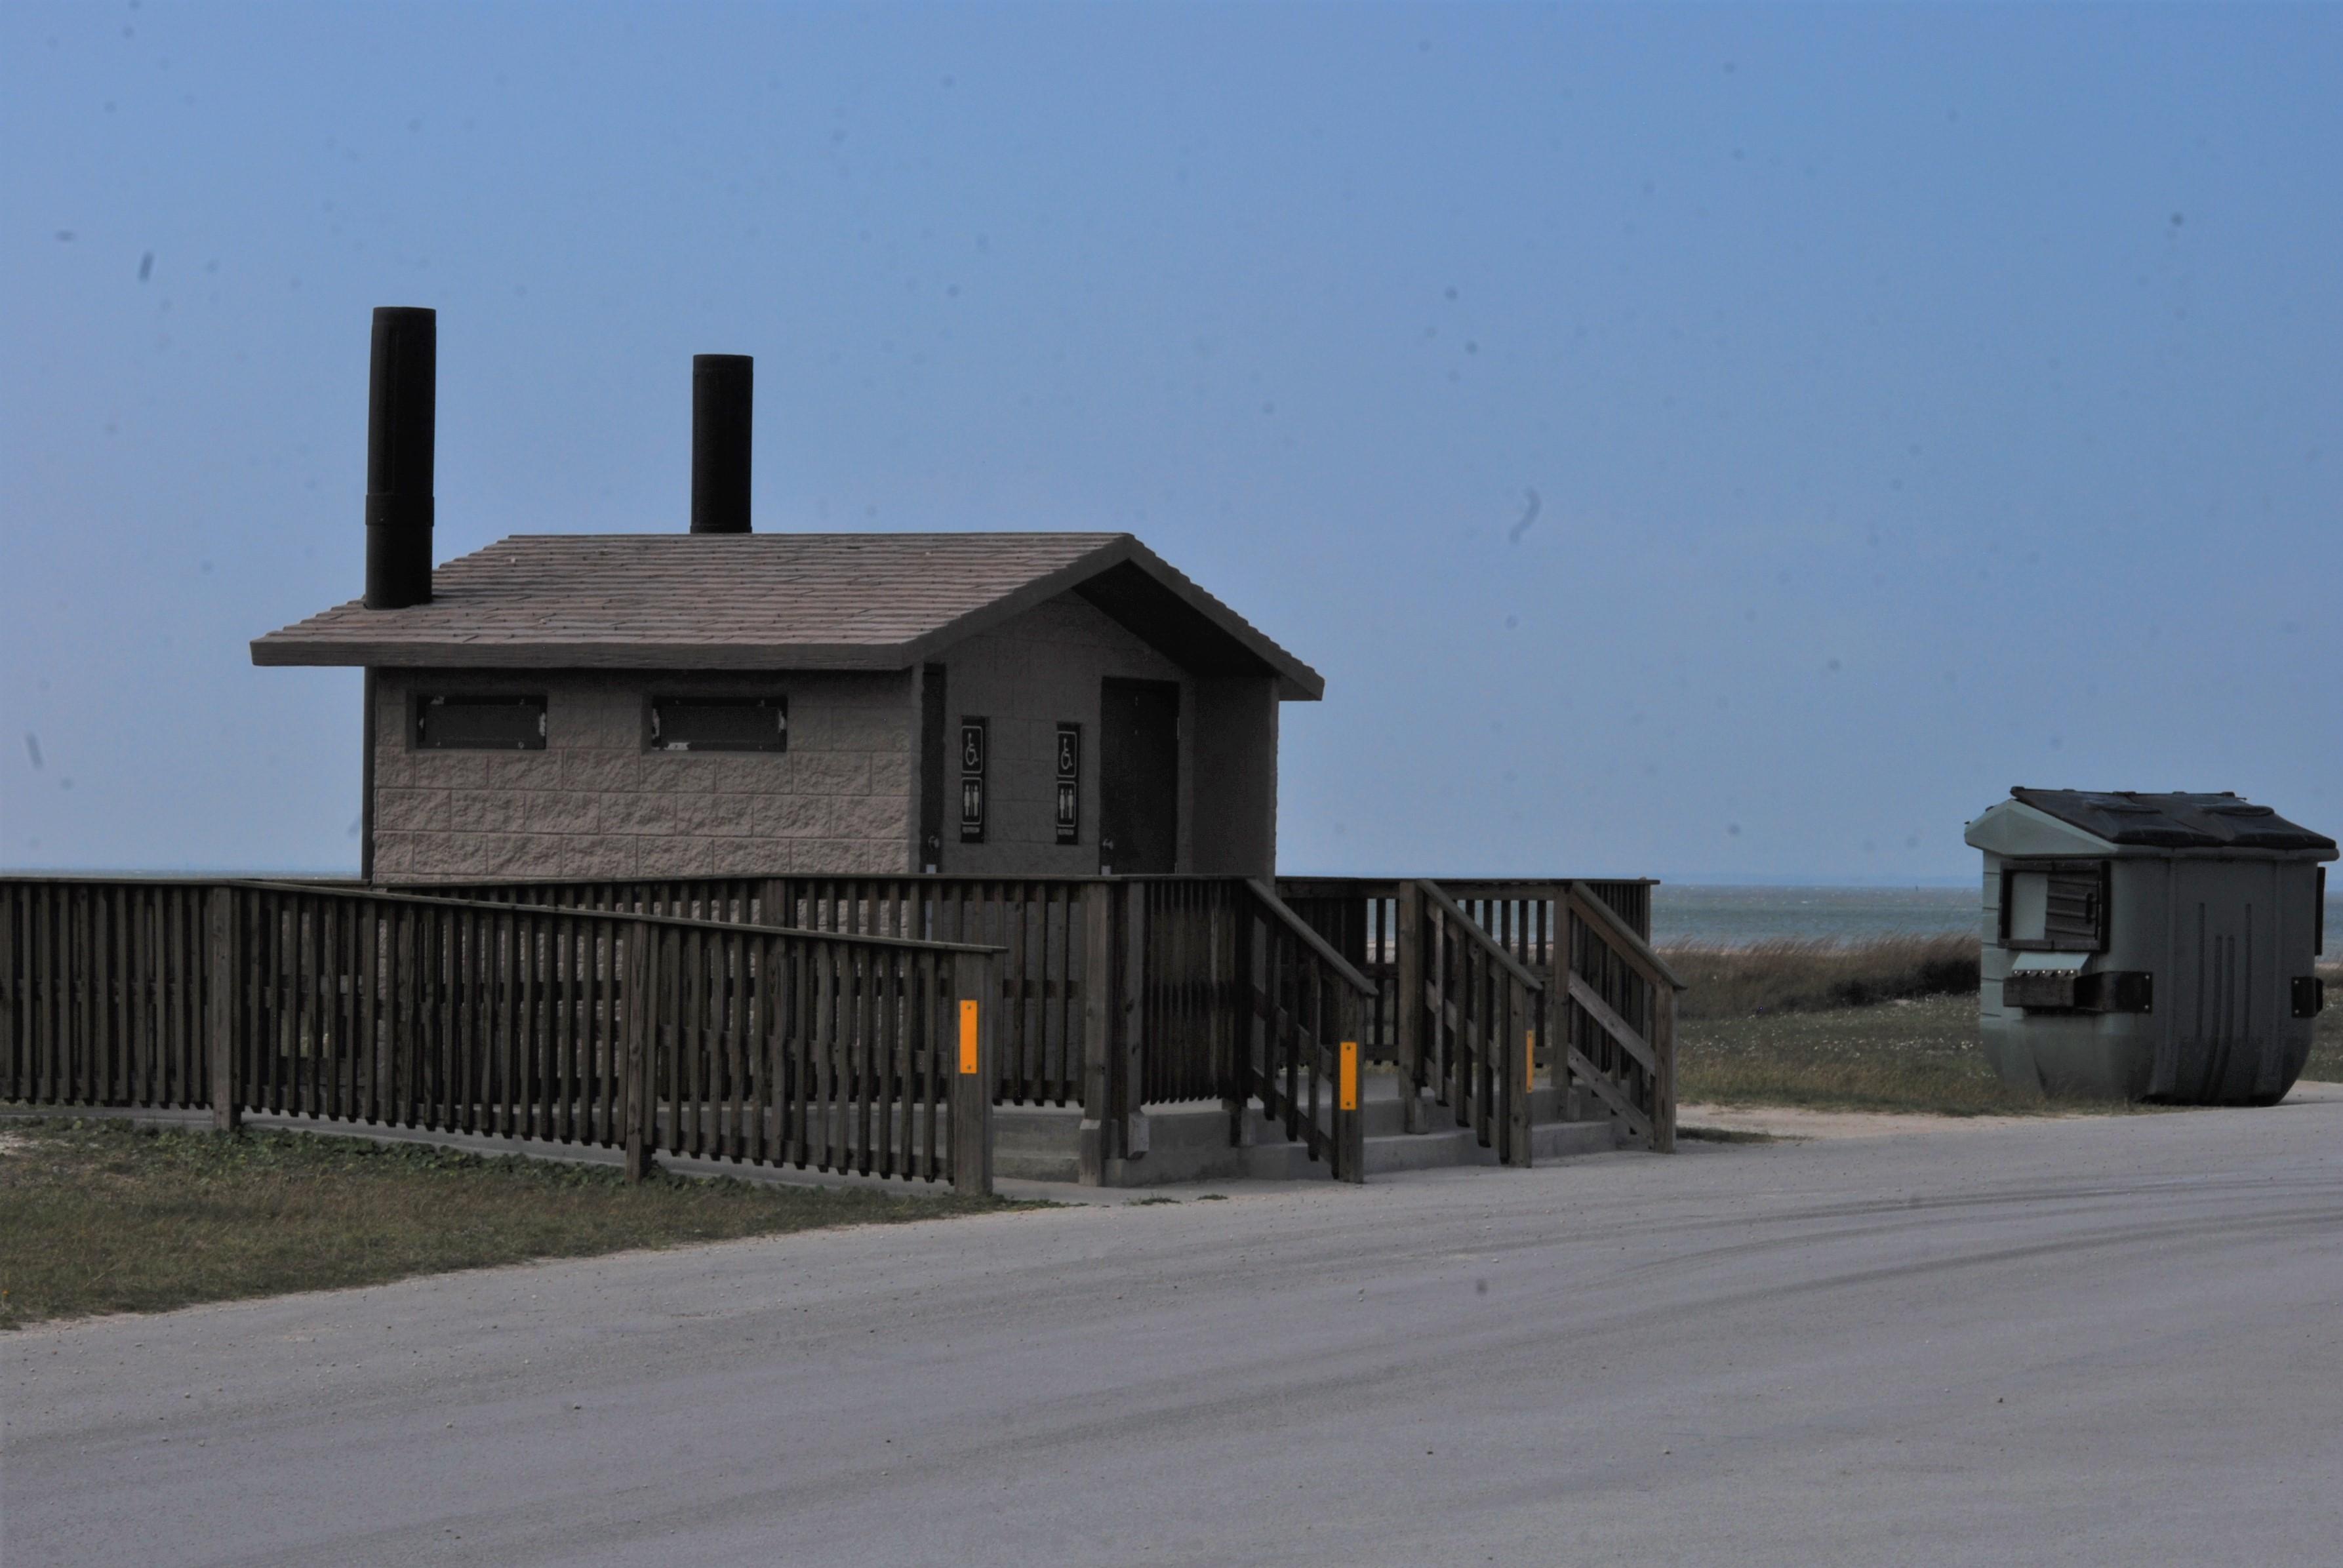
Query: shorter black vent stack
(723, 400)
(401, 408)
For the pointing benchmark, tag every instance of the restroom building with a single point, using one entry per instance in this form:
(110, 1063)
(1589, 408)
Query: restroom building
(747, 704)
(722, 702)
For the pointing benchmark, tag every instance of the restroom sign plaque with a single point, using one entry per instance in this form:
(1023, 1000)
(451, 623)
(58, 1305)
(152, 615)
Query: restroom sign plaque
(975, 748)
(1070, 783)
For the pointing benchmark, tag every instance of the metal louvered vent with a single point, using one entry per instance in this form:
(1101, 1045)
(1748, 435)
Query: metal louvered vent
(2054, 906)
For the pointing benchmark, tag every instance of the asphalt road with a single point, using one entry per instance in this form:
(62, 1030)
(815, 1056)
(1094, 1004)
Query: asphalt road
(2104, 1342)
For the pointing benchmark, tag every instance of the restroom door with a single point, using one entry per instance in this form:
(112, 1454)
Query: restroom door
(933, 760)
(1138, 777)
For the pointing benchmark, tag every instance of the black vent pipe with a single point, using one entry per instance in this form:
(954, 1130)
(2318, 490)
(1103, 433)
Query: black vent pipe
(401, 407)
(722, 405)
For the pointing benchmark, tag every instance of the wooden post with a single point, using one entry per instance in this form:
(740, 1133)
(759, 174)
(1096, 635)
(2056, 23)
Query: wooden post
(1130, 1069)
(1098, 1029)
(221, 989)
(642, 1060)
(15, 1082)
(1236, 1087)
(976, 1006)
(1563, 1010)
(1521, 1036)
(1407, 1022)
(1663, 1057)
(1350, 1112)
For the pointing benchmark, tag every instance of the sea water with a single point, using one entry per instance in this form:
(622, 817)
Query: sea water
(1733, 916)
(1730, 915)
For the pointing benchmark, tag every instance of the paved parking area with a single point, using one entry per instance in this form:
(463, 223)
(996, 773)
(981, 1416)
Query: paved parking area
(2091, 1341)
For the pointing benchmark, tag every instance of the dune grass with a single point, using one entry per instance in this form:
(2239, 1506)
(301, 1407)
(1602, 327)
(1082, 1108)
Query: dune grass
(105, 1217)
(1914, 1054)
(1886, 1025)
(1790, 976)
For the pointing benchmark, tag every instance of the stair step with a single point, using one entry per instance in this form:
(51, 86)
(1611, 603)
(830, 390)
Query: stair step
(1562, 1140)
(1458, 1146)
(1384, 1115)
(1041, 1143)
(1425, 1152)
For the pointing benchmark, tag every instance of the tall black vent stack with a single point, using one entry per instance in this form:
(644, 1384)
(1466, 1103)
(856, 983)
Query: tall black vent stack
(722, 408)
(401, 408)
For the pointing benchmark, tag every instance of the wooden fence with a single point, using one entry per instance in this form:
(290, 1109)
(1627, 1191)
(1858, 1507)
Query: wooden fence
(1042, 926)
(647, 1032)
(1606, 1035)
(794, 1020)
(1297, 1049)
(1117, 993)
(1468, 1022)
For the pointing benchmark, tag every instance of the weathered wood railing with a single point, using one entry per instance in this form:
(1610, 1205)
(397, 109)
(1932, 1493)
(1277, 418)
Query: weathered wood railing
(1045, 928)
(1469, 1021)
(108, 999)
(1115, 993)
(1360, 916)
(1299, 1007)
(1531, 921)
(1109, 995)
(833, 1052)
(1624, 1056)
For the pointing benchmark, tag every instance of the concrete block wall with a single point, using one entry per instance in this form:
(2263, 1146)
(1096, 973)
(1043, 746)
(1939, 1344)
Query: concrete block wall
(597, 802)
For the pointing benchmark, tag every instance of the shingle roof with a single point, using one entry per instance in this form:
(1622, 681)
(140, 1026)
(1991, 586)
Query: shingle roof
(772, 601)
(2179, 821)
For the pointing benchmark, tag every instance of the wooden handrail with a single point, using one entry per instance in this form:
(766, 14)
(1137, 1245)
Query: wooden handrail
(1622, 938)
(1617, 1027)
(1487, 943)
(1317, 944)
(549, 911)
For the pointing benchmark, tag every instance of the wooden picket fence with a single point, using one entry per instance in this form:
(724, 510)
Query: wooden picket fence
(713, 1038)
(797, 1020)
(1117, 993)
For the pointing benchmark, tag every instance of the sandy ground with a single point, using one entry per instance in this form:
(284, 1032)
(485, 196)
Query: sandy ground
(1792, 1122)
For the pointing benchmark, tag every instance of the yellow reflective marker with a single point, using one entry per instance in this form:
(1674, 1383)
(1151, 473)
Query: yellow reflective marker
(1350, 1075)
(967, 1036)
(1529, 1061)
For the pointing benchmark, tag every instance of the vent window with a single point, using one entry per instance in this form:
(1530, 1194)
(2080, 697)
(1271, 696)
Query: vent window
(450, 722)
(2055, 907)
(720, 724)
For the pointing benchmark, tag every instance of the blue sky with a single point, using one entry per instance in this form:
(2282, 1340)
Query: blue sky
(1916, 401)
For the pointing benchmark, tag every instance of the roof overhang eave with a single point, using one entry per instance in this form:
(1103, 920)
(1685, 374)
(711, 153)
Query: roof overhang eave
(456, 654)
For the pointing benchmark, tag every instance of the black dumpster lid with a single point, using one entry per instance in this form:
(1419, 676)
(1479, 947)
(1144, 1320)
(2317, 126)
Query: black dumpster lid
(2177, 821)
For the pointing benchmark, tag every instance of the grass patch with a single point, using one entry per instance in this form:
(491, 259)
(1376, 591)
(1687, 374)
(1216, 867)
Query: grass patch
(1888, 1025)
(1789, 976)
(105, 1217)
(1914, 1055)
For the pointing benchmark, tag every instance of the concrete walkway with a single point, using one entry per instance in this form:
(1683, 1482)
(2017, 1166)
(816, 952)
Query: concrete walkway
(2109, 1341)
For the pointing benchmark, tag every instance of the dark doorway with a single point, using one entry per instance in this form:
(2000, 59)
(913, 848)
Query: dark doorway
(933, 758)
(1138, 777)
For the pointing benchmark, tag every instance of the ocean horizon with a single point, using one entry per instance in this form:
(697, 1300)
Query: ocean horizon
(1721, 914)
